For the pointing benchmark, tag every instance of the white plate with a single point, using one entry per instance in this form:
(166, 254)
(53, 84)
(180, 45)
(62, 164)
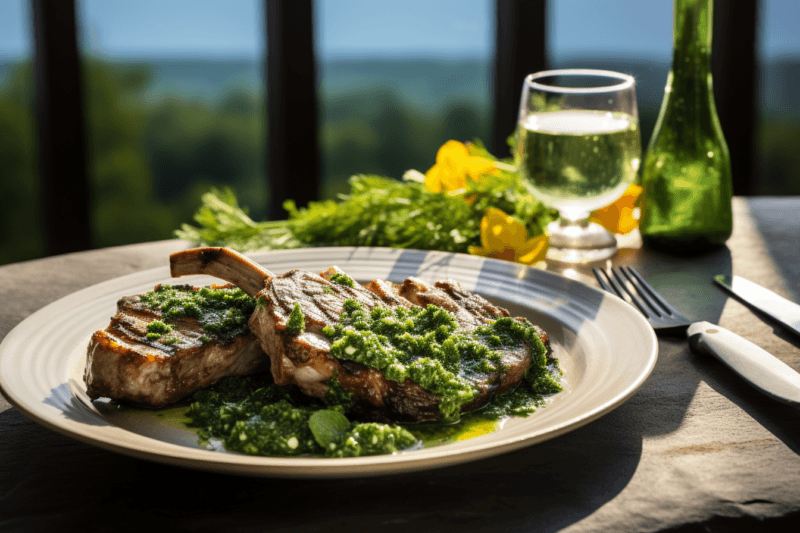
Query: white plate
(605, 347)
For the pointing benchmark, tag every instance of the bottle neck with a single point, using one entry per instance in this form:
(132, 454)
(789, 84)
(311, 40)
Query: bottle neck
(691, 38)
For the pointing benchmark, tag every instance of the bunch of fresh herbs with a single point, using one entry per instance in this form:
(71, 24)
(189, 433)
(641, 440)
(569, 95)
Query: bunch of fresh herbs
(379, 211)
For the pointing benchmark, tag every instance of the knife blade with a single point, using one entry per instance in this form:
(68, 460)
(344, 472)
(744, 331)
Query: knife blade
(784, 311)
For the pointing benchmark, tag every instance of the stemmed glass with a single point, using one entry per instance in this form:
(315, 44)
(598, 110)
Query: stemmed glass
(578, 148)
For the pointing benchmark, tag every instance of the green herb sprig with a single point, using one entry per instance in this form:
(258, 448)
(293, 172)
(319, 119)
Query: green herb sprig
(379, 211)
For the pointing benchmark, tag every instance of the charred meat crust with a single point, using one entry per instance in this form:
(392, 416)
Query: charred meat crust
(304, 360)
(210, 255)
(122, 364)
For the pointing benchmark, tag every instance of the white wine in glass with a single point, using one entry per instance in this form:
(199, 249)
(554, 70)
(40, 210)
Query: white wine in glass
(578, 148)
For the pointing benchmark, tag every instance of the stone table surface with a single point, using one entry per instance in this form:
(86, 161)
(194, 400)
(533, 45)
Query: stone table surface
(694, 449)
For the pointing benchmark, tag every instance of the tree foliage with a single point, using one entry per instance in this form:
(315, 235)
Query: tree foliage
(151, 159)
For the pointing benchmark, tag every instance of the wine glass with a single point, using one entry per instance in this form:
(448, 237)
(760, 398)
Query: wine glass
(578, 149)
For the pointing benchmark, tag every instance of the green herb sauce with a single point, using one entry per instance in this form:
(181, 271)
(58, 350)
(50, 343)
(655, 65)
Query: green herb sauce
(336, 395)
(371, 438)
(297, 321)
(253, 416)
(343, 279)
(425, 345)
(157, 329)
(223, 313)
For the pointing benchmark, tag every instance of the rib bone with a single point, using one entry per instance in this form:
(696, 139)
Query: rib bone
(222, 263)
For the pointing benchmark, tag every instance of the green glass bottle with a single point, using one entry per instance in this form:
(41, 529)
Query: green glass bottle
(687, 169)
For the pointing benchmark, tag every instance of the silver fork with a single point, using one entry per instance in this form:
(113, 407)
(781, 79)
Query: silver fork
(756, 366)
(664, 318)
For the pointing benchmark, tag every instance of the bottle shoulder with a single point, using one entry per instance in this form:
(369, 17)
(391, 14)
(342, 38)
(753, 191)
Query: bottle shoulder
(688, 130)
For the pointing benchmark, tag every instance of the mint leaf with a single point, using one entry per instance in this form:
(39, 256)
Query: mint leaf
(328, 427)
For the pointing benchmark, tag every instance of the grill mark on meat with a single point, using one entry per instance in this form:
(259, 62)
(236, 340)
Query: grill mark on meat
(304, 359)
(320, 310)
(130, 325)
(470, 310)
(122, 364)
(471, 303)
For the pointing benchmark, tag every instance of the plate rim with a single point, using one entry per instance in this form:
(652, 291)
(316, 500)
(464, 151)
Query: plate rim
(174, 454)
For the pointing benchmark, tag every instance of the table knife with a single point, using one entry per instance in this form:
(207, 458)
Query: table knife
(755, 365)
(784, 311)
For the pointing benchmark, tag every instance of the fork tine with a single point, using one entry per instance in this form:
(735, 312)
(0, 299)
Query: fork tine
(644, 306)
(651, 292)
(618, 288)
(626, 283)
(643, 294)
(602, 277)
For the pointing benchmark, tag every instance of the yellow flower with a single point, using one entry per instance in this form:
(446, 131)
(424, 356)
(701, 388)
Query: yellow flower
(504, 237)
(454, 165)
(619, 216)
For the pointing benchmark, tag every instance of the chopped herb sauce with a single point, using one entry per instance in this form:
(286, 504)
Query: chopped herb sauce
(297, 321)
(252, 415)
(255, 417)
(371, 438)
(157, 329)
(336, 395)
(222, 312)
(425, 346)
(343, 279)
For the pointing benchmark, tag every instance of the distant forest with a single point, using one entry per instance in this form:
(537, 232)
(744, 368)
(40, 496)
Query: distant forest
(154, 150)
(161, 133)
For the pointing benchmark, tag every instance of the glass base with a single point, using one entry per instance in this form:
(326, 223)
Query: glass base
(579, 241)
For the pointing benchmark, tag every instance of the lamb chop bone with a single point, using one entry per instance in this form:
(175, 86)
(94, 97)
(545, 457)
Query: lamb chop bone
(221, 263)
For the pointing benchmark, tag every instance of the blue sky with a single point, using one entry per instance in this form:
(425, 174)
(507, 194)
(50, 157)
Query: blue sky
(448, 28)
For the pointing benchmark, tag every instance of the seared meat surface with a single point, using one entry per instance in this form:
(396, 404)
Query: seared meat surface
(304, 359)
(122, 364)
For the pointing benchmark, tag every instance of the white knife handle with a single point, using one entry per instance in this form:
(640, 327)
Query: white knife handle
(757, 366)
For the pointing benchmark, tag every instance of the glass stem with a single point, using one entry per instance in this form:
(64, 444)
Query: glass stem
(574, 219)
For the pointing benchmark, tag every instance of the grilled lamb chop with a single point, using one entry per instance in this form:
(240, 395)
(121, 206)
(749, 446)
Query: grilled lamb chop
(304, 359)
(122, 364)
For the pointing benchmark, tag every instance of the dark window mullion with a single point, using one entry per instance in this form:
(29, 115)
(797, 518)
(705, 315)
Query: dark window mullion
(63, 178)
(735, 73)
(293, 160)
(519, 51)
